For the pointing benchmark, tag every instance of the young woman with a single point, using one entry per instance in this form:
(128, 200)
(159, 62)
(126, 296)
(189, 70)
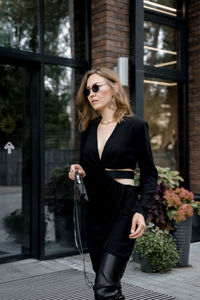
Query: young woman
(113, 141)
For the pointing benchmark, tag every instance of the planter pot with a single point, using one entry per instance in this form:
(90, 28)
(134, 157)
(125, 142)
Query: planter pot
(136, 257)
(182, 237)
(145, 266)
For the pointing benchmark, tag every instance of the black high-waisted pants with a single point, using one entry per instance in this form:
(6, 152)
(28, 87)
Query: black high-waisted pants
(109, 270)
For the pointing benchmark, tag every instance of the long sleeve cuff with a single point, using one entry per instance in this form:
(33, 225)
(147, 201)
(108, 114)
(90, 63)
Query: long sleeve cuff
(142, 210)
(143, 204)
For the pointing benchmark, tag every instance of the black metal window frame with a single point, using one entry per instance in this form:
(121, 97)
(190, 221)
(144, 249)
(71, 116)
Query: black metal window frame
(36, 62)
(139, 71)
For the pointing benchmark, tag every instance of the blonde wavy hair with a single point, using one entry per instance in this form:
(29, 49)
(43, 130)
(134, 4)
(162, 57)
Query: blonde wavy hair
(83, 107)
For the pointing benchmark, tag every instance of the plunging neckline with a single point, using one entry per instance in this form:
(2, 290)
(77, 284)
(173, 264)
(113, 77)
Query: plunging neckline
(107, 141)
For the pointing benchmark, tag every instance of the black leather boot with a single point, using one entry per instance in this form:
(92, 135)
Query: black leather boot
(107, 283)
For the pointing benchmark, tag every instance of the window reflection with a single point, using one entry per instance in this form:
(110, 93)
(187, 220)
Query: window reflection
(15, 160)
(161, 112)
(58, 90)
(161, 46)
(168, 7)
(60, 151)
(19, 24)
(65, 28)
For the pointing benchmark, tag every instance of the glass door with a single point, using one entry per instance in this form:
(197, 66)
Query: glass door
(15, 161)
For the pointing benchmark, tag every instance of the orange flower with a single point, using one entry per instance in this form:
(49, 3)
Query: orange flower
(179, 216)
(181, 204)
(183, 212)
(188, 210)
(173, 200)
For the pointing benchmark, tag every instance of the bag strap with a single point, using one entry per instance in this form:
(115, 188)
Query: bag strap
(78, 191)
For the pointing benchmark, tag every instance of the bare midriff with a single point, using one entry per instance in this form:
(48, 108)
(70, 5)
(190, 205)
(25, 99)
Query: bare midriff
(123, 180)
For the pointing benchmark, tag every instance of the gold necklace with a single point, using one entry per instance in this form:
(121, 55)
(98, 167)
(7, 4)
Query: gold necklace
(107, 122)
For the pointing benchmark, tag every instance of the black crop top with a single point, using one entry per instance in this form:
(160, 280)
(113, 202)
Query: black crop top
(128, 145)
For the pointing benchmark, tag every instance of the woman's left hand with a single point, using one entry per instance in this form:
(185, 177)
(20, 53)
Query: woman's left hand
(138, 226)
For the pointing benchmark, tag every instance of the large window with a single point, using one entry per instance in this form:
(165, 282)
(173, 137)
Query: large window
(44, 52)
(162, 108)
(60, 152)
(64, 36)
(15, 160)
(160, 72)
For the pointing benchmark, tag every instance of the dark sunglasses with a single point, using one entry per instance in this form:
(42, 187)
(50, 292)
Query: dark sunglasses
(95, 89)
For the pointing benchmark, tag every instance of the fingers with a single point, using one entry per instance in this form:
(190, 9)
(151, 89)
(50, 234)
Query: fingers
(138, 226)
(74, 167)
(137, 233)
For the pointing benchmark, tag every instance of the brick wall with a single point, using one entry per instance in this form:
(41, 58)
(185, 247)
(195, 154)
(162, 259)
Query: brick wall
(110, 31)
(194, 93)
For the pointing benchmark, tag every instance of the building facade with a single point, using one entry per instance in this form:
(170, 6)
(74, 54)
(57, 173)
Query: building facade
(45, 48)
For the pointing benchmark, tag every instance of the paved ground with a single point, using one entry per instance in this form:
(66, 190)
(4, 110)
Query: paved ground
(182, 283)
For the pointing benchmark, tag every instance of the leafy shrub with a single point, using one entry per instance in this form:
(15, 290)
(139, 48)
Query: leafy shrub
(159, 213)
(170, 178)
(158, 249)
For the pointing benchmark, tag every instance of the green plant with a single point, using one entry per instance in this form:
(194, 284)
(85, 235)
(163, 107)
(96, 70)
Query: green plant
(170, 202)
(158, 249)
(170, 178)
(59, 192)
(157, 214)
(13, 224)
(166, 176)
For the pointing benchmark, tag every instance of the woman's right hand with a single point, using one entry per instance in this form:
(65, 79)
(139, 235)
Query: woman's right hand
(74, 167)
